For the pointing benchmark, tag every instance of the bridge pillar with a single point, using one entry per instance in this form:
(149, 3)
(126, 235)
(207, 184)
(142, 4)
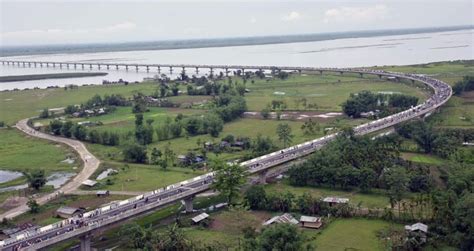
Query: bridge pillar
(171, 70)
(159, 69)
(86, 242)
(147, 68)
(262, 177)
(60, 65)
(90, 66)
(136, 67)
(361, 74)
(116, 67)
(197, 70)
(320, 72)
(108, 67)
(212, 70)
(126, 67)
(380, 76)
(226, 72)
(98, 66)
(188, 204)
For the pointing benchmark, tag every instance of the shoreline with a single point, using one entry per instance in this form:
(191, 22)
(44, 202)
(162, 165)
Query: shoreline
(17, 78)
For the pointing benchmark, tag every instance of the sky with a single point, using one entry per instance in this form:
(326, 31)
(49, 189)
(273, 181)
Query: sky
(65, 22)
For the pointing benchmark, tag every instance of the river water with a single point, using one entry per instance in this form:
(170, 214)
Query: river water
(354, 52)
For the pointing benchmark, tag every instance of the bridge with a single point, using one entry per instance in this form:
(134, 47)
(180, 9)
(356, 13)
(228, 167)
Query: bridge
(84, 226)
(196, 67)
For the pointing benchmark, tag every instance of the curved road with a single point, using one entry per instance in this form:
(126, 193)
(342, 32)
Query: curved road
(91, 163)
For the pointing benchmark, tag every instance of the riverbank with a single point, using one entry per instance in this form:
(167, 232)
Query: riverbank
(50, 76)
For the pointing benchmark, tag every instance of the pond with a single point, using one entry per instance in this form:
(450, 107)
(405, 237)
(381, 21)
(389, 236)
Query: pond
(6, 176)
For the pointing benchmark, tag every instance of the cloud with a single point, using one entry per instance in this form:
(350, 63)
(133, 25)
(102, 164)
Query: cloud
(54, 32)
(253, 20)
(350, 14)
(292, 16)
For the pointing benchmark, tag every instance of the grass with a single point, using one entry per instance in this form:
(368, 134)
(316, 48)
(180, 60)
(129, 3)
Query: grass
(352, 234)
(18, 105)
(138, 177)
(20, 152)
(423, 158)
(369, 200)
(327, 91)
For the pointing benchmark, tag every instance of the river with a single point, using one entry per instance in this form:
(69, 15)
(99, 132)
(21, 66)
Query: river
(353, 52)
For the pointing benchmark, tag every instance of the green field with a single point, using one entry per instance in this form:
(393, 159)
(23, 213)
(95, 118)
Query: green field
(352, 234)
(328, 91)
(367, 200)
(144, 178)
(21, 152)
(18, 105)
(423, 158)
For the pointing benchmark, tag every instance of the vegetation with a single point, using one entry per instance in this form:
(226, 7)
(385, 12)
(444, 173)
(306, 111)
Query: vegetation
(276, 237)
(50, 76)
(36, 179)
(228, 178)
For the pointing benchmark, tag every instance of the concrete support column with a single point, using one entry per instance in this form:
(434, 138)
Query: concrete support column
(86, 242)
(197, 70)
(171, 70)
(262, 177)
(147, 68)
(126, 67)
(116, 67)
(226, 72)
(188, 203)
(159, 69)
(90, 66)
(136, 68)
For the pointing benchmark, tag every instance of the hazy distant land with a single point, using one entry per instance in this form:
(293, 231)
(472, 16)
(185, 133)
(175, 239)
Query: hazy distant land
(50, 75)
(220, 42)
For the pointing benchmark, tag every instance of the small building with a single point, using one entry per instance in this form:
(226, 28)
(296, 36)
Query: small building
(240, 144)
(182, 158)
(418, 230)
(311, 222)
(102, 193)
(89, 183)
(417, 227)
(335, 200)
(208, 145)
(68, 212)
(284, 218)
(224, 144)
(199, 218)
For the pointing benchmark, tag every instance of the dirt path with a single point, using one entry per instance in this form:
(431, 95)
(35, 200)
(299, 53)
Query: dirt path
(91, 163)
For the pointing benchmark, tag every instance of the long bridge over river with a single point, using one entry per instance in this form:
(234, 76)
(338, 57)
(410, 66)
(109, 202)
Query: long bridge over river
(106, 216)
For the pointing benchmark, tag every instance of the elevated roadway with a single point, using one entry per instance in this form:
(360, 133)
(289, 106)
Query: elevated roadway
(83, 227)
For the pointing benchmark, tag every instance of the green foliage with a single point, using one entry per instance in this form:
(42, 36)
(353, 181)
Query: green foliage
(44, 114)
(256, 197)
(36, 179)
(228, 178)
(135, 153)
(366, 101)
(466, 84)
(284, 134)
(277, 237)
(34, 206)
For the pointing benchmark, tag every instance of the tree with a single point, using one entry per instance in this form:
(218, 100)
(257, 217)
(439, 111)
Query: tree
(155, 156)
(135, 153)
(136, 236)
(79, 132)
(168, 156)
(282, 237)
(284, 134)
(36, 179)
(44, 114)
(213, 124)
(138, 119)
(396, 180)
(66, 129)
(228, 178)
(55, 127)
(33, 205)
(265, 113)
(256, 197)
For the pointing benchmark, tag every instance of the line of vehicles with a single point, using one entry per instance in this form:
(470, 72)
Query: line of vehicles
(115, 212)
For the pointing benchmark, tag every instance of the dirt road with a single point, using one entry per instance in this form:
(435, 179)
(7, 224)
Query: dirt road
(91, 163)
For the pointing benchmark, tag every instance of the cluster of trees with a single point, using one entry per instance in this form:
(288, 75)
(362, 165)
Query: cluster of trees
(465, 85)
(431, 140)
(310, 127)
(258, 199)
(69, 129)
(453, 217)
(275, 237)
(360, 162)
(367, 101)
(98, 101)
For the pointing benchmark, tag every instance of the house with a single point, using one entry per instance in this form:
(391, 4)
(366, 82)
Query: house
(224, 144)
(199, 218)
(417, 230)
(335, 200)
(208, 145)
(68, 212)
(311, 222)
(240, 144)
(284, 218)
(102, 193)
(89, 183)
